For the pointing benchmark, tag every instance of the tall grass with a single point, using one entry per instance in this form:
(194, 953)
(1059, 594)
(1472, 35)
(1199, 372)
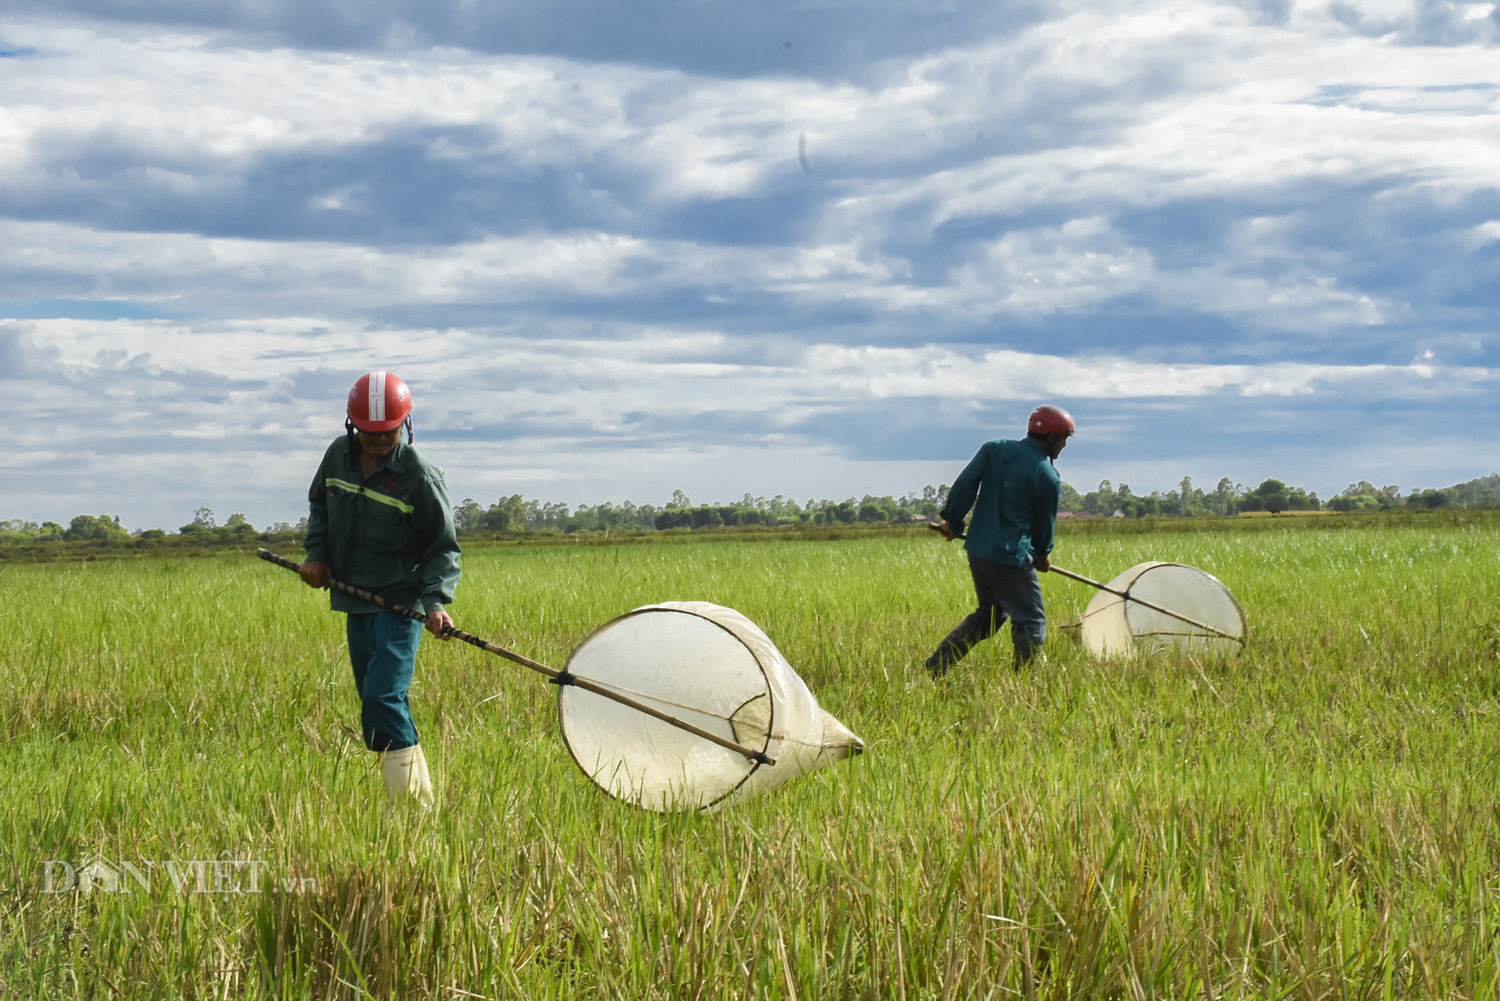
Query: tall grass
(1316, 818)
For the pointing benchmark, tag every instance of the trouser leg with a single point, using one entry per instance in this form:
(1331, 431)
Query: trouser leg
(980, 624)
(1019, 591)
(977, 626)
(383, 655)
(1003, 592)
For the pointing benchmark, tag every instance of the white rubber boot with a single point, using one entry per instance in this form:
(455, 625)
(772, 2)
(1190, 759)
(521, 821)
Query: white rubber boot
(421, 780)
(405, 773)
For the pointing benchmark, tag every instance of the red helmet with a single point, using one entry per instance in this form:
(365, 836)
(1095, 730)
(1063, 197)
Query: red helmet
(379, 402)
(1050, 420)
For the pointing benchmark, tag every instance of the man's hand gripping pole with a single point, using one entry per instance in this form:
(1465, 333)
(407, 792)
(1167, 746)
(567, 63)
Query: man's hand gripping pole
(553, 675)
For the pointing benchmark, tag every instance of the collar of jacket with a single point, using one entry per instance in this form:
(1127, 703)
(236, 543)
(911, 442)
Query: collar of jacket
(395, 461)
(1040, 448)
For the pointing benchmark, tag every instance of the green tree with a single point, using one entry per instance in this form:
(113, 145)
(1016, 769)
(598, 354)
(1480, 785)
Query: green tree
(1433, 498)
(707, 516)
(87, 527)
(1357, 502)
(18, 531)
(1361, 496)
(466, 516)
(924, 506)
(1184, 502)
(1132, 506)
(1224, 500)
(508, 514)
(1271, 496)
(1483, 492)
(672, 517)
(1101, 502)
(873, 510)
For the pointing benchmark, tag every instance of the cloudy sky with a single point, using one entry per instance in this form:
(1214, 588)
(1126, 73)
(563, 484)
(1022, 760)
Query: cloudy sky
(817, 248)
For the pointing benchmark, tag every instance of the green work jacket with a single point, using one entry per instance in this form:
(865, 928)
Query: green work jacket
(391, 533)
(1012, 487)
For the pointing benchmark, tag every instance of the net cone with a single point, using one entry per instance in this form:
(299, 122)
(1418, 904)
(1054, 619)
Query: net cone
(707, 665)
(1113, 626)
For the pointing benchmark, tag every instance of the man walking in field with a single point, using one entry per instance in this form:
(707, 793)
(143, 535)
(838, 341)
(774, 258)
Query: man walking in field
(379, 518)
(1012, 487)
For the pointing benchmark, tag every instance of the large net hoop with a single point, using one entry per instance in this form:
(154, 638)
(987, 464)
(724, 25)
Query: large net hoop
(1162, 608)
(708, 666)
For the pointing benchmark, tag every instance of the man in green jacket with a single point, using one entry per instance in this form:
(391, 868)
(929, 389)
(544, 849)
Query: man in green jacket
(1012, 487)
(379, 518)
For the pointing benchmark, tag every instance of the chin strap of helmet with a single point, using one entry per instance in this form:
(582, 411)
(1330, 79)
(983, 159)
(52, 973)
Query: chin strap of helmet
(349, 430)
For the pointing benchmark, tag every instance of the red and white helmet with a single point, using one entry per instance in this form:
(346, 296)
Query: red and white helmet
(1048, 419)
(379, 402)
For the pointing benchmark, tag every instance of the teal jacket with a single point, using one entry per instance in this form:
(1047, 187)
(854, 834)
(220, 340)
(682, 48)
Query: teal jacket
(1012, 487)
(391, 534)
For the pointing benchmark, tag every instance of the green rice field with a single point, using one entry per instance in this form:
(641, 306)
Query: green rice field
(1315, 818)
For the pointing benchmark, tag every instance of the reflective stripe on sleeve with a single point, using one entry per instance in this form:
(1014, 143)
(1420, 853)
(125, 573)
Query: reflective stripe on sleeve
(374, 495)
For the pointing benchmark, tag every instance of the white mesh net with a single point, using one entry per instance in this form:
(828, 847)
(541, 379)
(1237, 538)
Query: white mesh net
(1171, 607)
(708, 666)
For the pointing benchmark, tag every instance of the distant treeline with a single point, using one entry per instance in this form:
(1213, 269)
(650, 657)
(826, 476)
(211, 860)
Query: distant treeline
(515, 514)
(1227, 499)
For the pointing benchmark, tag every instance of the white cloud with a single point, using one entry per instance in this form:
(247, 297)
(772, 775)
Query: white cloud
(1190, 205)
(931, 372)
(591, 389)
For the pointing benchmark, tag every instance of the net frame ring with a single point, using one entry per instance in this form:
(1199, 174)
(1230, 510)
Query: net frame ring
(728, 771)
(1239, 612)
(1105, 638)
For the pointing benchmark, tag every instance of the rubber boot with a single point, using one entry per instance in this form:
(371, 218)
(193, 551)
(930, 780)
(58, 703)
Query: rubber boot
(405, 773)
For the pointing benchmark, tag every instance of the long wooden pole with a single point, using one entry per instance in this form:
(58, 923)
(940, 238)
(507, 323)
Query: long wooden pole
(1054, 568)
(553, 674)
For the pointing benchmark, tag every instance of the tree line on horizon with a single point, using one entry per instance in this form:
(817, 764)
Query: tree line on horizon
(515, 514)
(1227, 499)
